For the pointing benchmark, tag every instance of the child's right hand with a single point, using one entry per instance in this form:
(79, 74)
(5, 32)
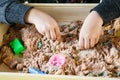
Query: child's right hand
(44, 23)
(90, 31)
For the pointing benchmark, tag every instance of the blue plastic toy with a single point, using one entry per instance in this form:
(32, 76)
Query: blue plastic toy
(35, 71)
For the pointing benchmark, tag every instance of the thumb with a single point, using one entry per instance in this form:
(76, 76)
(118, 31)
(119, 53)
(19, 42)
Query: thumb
(102, 32)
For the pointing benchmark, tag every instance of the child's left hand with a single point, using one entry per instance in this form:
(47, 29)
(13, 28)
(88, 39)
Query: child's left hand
(90, 31)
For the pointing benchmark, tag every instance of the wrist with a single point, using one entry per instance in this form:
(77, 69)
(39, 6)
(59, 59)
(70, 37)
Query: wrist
(30, 15)
(97, 18)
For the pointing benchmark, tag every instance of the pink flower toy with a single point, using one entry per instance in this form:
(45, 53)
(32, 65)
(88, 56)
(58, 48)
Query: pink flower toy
(57, 60)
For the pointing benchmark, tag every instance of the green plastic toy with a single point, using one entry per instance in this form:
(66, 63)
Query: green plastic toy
(17, 46)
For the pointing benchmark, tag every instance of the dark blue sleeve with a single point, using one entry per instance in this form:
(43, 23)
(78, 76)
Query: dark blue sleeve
(11, 11)
(108, 10)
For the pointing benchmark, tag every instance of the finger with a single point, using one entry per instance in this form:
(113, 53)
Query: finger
(92, 43)
(96, 40)
(42, 33)
(81, 43)
(102, 33)
(52, 33)
(87, 43)
(58, 35)
(47, 33)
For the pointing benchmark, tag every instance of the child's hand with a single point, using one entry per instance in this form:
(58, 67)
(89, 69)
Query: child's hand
(90, 31)
(44, 23)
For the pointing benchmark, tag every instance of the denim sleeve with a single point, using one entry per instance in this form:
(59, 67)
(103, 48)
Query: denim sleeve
(11, 11)
(108, 10)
